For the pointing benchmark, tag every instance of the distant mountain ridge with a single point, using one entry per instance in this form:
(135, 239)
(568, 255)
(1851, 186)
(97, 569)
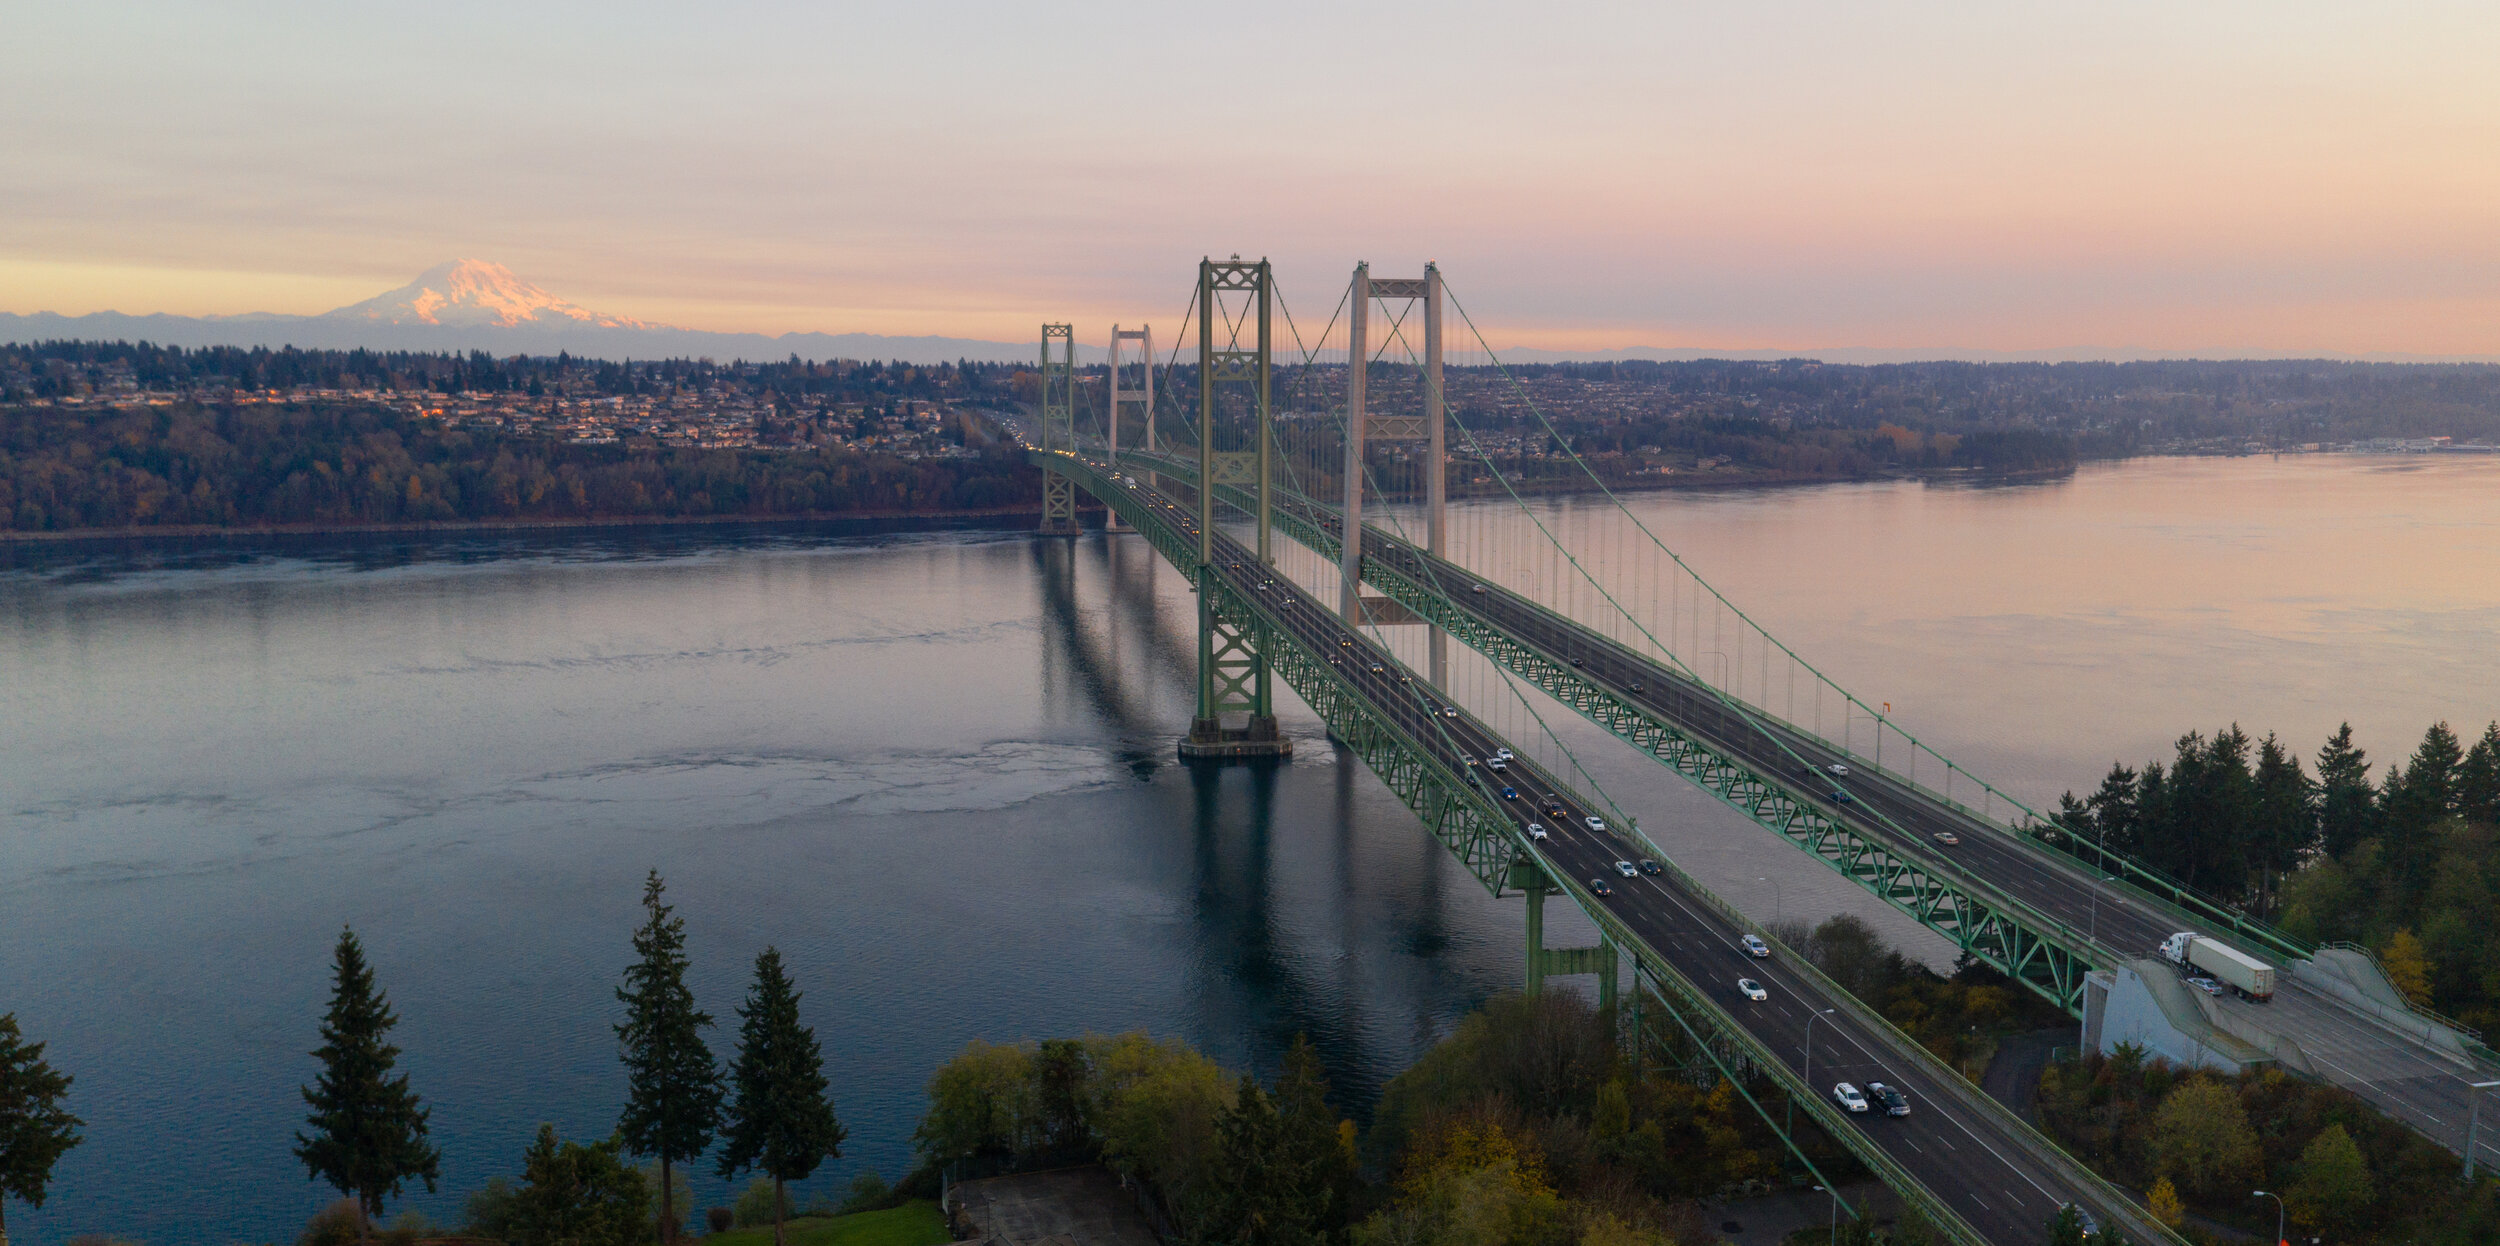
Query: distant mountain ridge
(476, 305)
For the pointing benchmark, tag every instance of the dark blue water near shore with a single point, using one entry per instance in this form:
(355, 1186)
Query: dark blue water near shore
(935, 770)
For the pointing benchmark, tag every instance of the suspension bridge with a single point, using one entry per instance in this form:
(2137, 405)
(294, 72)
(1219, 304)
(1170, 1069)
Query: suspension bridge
(1250, 474)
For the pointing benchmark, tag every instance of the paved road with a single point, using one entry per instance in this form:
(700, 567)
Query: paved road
(2423, 1085)
(1982, 1161)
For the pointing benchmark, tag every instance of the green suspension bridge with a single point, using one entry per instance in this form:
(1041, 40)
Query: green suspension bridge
(1608, 625)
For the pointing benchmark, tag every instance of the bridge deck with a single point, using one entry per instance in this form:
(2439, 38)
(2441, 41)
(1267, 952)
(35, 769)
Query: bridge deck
(2422, 1084)
(1969, 1154)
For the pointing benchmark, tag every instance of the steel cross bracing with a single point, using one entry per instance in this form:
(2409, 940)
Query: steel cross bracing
(1490, 840)
(2039, 951)
(1058, 426)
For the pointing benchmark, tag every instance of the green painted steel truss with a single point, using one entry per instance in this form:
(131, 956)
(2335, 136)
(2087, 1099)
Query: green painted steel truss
(1460, 817)
(2028, 946)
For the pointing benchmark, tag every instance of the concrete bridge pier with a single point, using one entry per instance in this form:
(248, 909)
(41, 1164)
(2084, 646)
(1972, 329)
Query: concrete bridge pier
(1543, 961)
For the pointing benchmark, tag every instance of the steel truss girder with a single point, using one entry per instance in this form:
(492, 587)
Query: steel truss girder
(1463, 820)
(1466, 823)
(2025, 946)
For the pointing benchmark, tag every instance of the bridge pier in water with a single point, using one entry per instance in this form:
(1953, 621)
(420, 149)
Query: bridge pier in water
(1236, 717)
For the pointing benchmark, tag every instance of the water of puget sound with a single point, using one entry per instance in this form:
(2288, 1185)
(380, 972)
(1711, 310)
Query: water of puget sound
(936, 770)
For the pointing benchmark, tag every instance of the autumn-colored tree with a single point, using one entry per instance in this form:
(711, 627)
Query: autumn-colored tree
(2406, 966)
(2201, 1136)
(2333, 1191)
(2163, 1201)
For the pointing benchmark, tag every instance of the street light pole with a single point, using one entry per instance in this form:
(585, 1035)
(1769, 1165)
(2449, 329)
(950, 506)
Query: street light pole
(2473, 1121)
(1807, 1075)
(1775, 894)
(2279, 1239)
(1835, 1197)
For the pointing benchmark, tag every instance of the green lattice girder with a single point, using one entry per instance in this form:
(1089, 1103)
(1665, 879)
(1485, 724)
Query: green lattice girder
(1462, 818)
(2027, 945)
(1491, 847)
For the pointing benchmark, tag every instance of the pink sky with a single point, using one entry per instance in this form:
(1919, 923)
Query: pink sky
(2219, 177)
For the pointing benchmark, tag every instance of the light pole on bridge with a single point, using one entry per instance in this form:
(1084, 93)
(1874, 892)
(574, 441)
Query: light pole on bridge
(2279, 1239)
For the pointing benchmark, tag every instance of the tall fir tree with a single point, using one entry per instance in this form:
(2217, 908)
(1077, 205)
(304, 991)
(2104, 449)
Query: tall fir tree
(780, 1122)
(368, 1134)
(672, 1084)
(2478, 780)
(34, 1128)
(2347, 803)
(1316, 1147)
(2287, 820)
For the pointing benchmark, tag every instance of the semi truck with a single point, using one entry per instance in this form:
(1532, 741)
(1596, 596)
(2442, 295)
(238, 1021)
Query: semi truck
(2244, 974)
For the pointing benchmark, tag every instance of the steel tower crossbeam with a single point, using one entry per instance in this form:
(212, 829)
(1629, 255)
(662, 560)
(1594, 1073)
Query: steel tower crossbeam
(1058, 427)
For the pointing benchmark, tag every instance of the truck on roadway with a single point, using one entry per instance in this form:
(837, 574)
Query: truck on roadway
(2244, 974)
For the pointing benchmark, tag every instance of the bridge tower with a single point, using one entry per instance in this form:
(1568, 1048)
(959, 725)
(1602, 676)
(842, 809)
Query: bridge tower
(1362, 427)
(1123, 394)
(1236, 701)
(1058, 428)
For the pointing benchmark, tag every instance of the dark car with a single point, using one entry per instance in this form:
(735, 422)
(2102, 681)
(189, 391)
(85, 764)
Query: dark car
(1648, 866)
(1510, 793)
(1892, 1101)
(1552, 805)
(1597, 886)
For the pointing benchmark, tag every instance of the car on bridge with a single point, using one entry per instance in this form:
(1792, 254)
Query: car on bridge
(1648, 866)
(1848, 1097)
(1598, 886)
(1536, 831)
(1627, 869)
(1637, 688)
(1505, 754)
(1378, 669)
(1756, 948)
(1510, 793)
(1895, 1103)
(1948, 839)
(1594, 823)
(1477, 589)
(1552, 806)
(1449, 711)
(1752, 989)
(1497, 763)
(1840, 796)
(1837, 771)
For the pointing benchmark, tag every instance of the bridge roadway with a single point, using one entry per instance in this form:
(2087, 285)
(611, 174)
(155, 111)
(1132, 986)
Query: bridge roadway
(1979, 1160)
(2424, 1085)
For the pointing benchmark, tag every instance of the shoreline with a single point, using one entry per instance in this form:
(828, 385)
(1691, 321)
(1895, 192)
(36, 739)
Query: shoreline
(201, 532)
(1537, 489)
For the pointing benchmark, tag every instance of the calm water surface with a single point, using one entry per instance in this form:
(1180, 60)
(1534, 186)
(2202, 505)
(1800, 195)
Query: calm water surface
(936, 772)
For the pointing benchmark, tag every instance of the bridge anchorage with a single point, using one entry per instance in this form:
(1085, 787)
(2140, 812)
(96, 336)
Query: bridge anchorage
(1236, 718)
(1058, 428)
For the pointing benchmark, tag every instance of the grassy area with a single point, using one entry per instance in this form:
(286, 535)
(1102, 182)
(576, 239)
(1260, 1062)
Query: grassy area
(917, 1223)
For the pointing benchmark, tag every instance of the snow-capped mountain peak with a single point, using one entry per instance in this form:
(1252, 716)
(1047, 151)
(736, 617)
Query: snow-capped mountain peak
(472, 293)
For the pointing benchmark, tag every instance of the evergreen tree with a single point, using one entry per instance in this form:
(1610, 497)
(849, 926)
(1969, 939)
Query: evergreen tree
(780, 1121)
(2347, 806)
(1315, 1147)
(1251, 1205)
(34, 1128)
(2413, 803)
(673, 1088)
(575, 1195)
(2066, 1227)
(2286, 819)
(368, 1128)
(2478, 780)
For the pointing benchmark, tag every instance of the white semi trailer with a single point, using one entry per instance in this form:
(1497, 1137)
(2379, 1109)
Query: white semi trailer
(2228, 965)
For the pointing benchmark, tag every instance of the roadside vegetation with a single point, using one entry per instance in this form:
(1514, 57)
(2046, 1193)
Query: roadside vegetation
(2198, 1143)
(2407, 865)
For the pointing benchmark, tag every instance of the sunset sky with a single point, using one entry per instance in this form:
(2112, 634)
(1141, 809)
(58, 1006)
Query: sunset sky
(2208, 175)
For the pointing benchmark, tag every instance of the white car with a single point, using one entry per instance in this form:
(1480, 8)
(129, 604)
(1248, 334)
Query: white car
(1449, 711)
(1594, 823)
(1627, 869)
(1756, 948)
(1752, 989)
(1837, 771)
(1505, 754)
(1848, 1097)
(1497, 763)
(1536, 831)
